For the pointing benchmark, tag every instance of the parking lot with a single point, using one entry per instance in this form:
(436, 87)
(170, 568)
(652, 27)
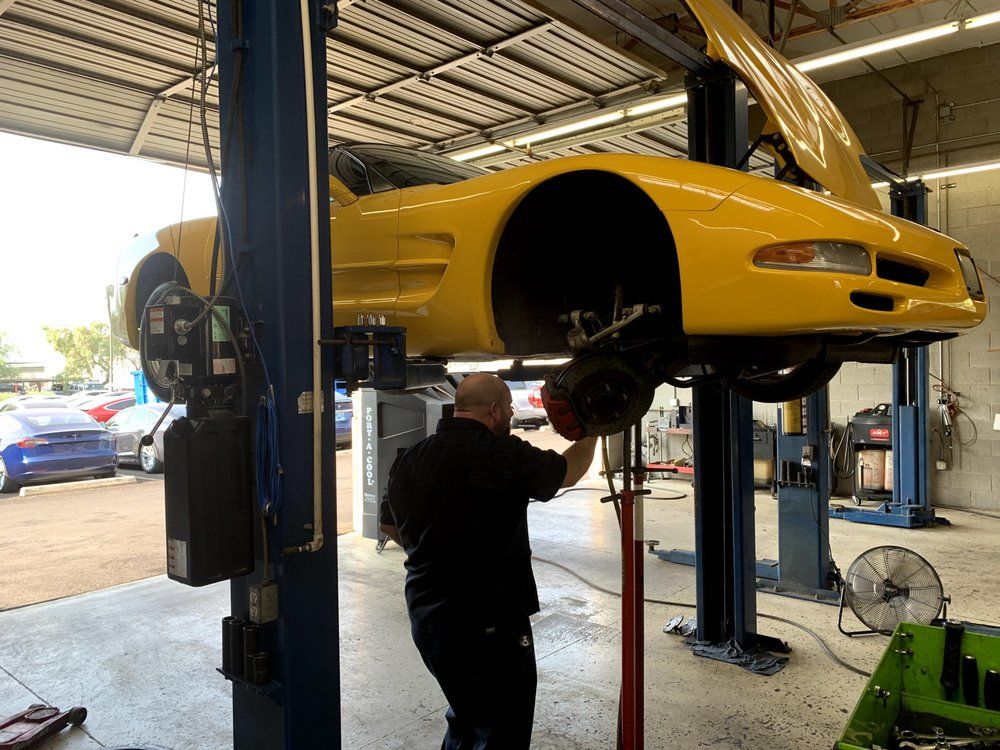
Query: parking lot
(68, 543)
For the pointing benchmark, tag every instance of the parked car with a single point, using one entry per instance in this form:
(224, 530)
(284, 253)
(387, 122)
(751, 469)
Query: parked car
(128, 427)
(22, 403)
(765, 285)
(529, 412)
(80, 398)
(103, 408)
(42, 445)
(344, 411)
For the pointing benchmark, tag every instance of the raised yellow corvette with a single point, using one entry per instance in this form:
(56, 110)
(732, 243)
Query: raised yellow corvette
(680, 263)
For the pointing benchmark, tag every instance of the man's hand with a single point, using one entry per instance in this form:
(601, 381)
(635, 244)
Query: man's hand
(579, 457)
(390, 531)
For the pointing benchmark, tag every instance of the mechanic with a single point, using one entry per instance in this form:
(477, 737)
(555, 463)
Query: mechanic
(457, 503)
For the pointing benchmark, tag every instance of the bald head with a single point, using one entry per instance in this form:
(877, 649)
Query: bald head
(480, 390)
(485, 398)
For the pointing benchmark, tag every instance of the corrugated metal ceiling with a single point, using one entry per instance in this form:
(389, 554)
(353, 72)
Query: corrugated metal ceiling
(117, 74)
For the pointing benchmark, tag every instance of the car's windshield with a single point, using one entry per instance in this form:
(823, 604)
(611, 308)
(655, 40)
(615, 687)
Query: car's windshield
(403, 168)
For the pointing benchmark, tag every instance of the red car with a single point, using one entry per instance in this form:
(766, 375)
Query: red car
(103, 408)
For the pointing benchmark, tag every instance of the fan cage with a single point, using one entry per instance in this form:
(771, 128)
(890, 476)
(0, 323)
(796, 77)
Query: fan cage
(888, 585)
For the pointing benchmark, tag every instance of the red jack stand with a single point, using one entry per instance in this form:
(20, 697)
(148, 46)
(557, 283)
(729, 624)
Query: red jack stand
(632, 719)
(32, 728)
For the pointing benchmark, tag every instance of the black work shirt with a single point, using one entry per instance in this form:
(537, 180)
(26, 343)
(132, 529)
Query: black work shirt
(460, 502)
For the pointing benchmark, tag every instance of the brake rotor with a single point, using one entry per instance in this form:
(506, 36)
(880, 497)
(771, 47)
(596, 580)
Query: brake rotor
(598, 394)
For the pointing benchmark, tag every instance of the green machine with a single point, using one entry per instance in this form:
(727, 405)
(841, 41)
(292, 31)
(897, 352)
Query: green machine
(936, 688)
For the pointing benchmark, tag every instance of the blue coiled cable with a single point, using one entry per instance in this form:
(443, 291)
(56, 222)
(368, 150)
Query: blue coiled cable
(269, 486)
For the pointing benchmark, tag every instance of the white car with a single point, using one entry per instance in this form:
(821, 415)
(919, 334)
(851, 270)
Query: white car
(20, 403)
(529, 412)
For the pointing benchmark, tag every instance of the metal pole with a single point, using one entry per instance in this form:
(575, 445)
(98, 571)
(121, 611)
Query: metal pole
(639, 559)
(630, 652)
(267, 180)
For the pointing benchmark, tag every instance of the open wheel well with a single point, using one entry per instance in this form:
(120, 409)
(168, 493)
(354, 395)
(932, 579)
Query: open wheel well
(568, 244)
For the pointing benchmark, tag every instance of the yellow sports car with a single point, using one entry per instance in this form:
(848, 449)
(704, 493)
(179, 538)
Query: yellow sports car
(662, 268)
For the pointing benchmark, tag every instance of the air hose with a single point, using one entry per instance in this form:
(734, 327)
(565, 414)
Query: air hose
(688, 605)
(610, 592)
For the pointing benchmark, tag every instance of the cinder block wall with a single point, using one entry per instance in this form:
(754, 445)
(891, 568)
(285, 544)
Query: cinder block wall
(966, 207)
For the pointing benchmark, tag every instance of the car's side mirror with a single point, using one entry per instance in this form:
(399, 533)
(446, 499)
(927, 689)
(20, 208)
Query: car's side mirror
(341, 193)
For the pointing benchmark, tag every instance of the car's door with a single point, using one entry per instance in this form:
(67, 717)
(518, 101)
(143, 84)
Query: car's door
(363, 239)
(121, 426)
(143, 423)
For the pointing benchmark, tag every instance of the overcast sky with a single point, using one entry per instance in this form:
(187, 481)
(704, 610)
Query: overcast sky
(65, 213)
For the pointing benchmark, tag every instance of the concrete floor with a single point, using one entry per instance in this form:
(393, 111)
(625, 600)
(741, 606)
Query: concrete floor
(141, 656)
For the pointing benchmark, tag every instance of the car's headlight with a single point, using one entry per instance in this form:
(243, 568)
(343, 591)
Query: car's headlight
(971, 275)
(835, 257)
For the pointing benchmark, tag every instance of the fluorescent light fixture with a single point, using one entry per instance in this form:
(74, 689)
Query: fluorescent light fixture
(958, 171)
(570, 127)
(657, 105)
(984, 20)
(942, 174)
(646, 107)
(476, 153)
(875, 48)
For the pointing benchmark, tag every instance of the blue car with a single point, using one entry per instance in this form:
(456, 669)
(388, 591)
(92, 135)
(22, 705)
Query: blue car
(43, 445)
(342, 414)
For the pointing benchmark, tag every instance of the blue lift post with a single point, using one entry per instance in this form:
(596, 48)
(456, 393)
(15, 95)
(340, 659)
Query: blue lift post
(264, 125)
(910, 506)
(803, 568)
(723, 420)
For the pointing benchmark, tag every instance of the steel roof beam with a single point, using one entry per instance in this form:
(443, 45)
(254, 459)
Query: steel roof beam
(855, 15)
(460, 37)
(354, 46)
(426, 75)
(154, 108)
(627, 19)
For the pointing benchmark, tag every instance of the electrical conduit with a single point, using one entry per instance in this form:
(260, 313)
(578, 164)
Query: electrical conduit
(317, 374)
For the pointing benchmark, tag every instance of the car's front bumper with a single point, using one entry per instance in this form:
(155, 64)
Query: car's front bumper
(724, 293)
(533, 416)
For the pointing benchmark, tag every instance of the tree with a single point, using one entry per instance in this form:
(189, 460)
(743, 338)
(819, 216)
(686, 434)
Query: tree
(7, 352)
(85, 349)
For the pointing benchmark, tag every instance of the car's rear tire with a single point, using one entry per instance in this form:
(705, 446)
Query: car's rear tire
(786, 385)
(150, 462)
(6, 483)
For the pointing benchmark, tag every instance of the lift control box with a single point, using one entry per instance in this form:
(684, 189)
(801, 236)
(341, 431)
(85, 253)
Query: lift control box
(209, 500)
(187, 347)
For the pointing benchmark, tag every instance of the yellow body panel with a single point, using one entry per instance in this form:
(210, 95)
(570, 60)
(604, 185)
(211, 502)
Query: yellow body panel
(365, 277)
(725, 294)
(821, 140)
(423, 256)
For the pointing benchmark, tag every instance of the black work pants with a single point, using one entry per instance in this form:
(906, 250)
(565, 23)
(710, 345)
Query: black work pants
(488, 676)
